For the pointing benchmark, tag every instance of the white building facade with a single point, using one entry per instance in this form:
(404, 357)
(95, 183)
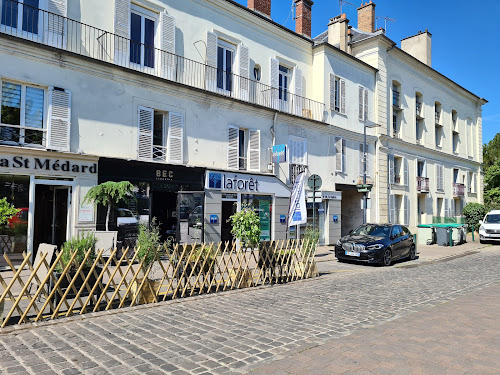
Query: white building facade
(171, 95)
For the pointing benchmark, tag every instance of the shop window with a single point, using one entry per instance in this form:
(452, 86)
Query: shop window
(13, 235)
(22, 117)
(262, 205)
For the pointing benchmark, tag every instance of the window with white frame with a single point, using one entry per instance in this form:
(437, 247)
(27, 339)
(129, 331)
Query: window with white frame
(143, 29)
(160, 135)
(23, 116)
(243, 149)
(22, 15)
(284, 78)
(225, 61)
(340, 155)
(337, 94)
(297, 156)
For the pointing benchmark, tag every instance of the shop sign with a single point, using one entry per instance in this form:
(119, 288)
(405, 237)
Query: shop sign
(334, 195)
(279, 153)
(164, 175)
(236, 183)
(46, 164)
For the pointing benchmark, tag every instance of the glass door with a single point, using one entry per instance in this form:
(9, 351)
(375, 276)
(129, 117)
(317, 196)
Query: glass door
(190, 214)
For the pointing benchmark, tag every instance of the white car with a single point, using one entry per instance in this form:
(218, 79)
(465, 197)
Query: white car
(490, 227)
(126, 217)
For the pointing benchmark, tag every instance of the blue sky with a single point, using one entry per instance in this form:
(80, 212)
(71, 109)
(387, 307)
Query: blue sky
(465, 39)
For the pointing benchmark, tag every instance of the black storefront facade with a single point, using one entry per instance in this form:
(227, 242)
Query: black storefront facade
(173, 195)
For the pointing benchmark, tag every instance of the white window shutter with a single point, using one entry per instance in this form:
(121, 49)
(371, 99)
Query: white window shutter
(232, 147)
(365, 104)
(343, 155)
(244, 71)
(441, 177)
(59, 119)
(274, 79)
(474, 183)
(452, 207)
(122, 32)
(342, 96)
(168, 46)
(254, 150)
(392, 208)
(406, 210)
(406, 174)
(291, 151)
(391, 169)
(211, 61)
(55, 23)
(299, 105)
(332, 92)
(446, 208)
(338, 154)
(361, 159)
(145, 133)
(175, 143)
(361, 106)
(424, 172)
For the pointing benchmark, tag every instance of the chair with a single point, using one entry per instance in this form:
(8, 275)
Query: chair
(43, 248)
(106, 240)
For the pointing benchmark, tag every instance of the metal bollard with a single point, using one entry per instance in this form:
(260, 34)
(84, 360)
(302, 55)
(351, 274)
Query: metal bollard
(472, 233)
(451, 237)
(415, 240)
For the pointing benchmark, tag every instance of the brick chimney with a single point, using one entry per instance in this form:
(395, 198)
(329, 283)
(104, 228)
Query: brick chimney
(261, 6)
(366, 17)
(303, 17)
(419, 46)
(338, 32)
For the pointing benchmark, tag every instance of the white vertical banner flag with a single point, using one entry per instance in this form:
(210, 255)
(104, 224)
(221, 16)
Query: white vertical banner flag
(297, 213)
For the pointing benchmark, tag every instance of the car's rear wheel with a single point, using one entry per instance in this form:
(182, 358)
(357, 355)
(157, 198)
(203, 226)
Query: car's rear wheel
(412, 254)
(387, 258)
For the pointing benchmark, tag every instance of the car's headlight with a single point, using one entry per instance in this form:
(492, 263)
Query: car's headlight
(375, 247)
(339, 243)
(481, 228)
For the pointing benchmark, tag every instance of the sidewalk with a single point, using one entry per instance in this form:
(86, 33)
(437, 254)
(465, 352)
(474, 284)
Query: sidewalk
(456, 337)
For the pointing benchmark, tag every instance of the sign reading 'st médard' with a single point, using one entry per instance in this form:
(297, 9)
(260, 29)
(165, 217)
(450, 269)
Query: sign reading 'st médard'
(46, 164)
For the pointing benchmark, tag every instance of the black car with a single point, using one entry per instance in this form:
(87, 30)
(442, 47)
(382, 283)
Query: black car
(377, 243)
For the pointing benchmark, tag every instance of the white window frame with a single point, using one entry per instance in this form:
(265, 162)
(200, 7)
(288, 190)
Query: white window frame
(285, 92)
(339, 101)
(155, 17)
(163, 149)
(22, 126)
(18, 31)
(291, 156)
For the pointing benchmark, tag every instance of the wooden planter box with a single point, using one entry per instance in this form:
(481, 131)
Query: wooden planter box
(145, 295)
(78, 283)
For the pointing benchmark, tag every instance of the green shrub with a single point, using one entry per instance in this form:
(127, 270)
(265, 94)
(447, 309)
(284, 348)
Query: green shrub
(311, 236)
(246, 226)
(7, 211)
(81, 244)
(149, 243)
(474, 212)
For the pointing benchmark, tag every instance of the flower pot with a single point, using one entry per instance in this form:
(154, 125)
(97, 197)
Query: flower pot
(78, 283)
(145, 295)
(240, 278)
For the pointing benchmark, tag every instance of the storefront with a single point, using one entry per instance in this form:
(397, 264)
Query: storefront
(227, 192)
(171, 194)
(48, 189)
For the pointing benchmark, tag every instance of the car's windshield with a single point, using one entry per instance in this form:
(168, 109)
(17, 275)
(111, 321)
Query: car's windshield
(125, 213)
(492, 219)
(372, 230)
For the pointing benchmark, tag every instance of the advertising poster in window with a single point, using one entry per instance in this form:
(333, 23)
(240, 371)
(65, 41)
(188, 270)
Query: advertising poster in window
(265, 219)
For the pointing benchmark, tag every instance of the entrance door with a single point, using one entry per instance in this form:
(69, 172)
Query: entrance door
(228, 209)
(190, 216)
(51, 215)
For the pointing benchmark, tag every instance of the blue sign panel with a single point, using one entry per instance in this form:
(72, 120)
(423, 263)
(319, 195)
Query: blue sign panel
(279, 154)
(282, 219)
(214, 219)
(335, 218)
(214, 180)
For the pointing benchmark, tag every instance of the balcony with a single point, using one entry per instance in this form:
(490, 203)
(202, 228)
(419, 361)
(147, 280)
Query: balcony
(422, 184)
(69, 35)
(458, 190)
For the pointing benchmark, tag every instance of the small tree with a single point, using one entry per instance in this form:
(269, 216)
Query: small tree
(108, 194)
(148, 242)
(474, 212)
(246, 226)
(7, 211)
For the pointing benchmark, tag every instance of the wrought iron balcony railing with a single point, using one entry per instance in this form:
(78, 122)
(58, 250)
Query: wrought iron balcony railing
(422, 184)
(50, 29)
(458, 190)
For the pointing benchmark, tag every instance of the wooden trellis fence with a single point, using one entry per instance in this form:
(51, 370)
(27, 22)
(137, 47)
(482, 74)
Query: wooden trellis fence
(50, 289)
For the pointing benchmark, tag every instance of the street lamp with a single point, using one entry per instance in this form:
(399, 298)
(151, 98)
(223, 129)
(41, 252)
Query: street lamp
(365, 194)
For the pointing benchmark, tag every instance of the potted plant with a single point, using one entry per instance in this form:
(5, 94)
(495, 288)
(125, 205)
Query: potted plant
(19, 243)
(246, 229)
(149, 247)
(81, 244)
(108, 194)
(7, 212)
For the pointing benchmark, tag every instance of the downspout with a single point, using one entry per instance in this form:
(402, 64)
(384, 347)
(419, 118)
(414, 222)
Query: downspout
(273, 134)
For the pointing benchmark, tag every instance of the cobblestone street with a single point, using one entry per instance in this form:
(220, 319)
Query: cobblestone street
(321, 321)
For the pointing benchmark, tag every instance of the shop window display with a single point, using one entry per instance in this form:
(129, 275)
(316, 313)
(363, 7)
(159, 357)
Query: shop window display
(13, 236)
(262, 204)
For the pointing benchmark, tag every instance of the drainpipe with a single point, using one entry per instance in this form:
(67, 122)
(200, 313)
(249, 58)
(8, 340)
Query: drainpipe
(273, 133)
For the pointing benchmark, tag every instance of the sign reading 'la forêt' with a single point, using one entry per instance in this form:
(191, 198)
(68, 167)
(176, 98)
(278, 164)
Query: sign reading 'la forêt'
(238, 183)
(46, 164)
